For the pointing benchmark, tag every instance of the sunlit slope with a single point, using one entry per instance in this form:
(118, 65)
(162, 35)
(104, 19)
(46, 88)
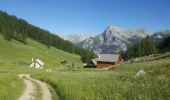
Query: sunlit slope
(14, 53)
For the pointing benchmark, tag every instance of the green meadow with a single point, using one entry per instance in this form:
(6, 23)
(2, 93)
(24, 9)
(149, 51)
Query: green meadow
(120, 83)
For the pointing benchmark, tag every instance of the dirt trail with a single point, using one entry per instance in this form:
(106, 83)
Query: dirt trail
(30, 87)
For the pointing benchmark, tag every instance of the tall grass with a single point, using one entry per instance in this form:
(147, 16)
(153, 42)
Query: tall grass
(120, 83)
(11, 86)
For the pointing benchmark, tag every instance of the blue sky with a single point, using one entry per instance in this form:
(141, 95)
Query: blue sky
(91, 16)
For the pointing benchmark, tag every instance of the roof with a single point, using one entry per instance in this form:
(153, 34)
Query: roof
(94, 61)
(108, 57)
(39, 61)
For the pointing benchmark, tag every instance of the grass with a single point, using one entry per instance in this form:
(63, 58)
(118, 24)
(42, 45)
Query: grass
(118, 84)
(15, 53)
(82, 84)
(17, 56)
(55, 96)
(11, 87)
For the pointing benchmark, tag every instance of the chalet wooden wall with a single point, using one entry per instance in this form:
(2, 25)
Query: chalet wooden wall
(107, 64)
(104, 64)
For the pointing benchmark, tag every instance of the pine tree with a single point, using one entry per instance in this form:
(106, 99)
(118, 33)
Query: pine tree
(143, 48)
(166, 43)
(130, 52)
(150, 46)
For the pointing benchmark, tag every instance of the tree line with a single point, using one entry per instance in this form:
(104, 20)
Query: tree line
(14, 28)
(146, 47)
(165, 45)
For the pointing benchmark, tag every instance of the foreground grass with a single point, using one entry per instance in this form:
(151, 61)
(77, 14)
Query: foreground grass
(11, 86)
(118, 84)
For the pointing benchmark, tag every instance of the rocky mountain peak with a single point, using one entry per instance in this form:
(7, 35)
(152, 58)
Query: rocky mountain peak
(114, 39)
(114, 29)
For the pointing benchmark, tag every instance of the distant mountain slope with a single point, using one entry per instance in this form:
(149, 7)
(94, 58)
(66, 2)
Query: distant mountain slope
(76, 38)
(159, 36)
(114, 39)
(15, 53)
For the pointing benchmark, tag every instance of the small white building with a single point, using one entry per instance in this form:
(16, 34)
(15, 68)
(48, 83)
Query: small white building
(38, 64)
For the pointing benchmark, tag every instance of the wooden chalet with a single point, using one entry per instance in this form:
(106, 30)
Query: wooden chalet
(105, 60)
(64, 62)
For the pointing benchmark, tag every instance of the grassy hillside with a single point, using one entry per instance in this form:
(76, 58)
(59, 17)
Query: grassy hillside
(19, 29)
(17, 54)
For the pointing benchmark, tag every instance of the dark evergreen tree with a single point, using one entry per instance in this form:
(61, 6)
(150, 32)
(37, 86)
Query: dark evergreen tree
(149, 46)
(166, 43)
(130, 52)
(143, 48)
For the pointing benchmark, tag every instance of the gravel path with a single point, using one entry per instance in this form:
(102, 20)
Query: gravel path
(30, 87)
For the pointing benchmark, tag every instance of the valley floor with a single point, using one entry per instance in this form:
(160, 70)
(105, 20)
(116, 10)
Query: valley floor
(120, 83)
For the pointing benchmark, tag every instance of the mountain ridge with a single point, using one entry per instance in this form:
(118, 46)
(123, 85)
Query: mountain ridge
(115, 39)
